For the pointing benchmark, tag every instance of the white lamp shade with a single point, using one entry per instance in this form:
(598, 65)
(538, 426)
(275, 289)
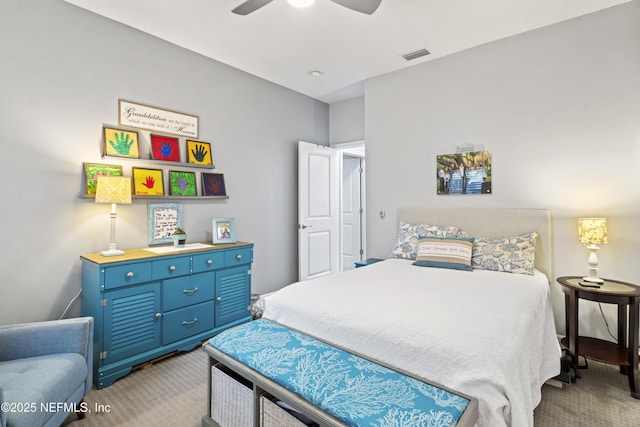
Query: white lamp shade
(113, 189)
(592, 231)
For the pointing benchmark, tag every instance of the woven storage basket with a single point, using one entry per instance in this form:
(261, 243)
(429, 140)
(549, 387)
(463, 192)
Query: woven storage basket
(231, 400)
(271, 415)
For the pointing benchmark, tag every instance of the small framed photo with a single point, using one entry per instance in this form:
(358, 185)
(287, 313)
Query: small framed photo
(121, 143)
(199, 153)
(147, 182)
(224, 230)
(213, 184)
(163, 220)
(165, 148)
(182, 183)
(92, 171)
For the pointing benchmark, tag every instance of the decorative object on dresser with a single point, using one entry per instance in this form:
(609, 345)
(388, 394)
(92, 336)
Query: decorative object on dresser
(114, 190)
(163, 220)
(592, 232)
(223, 230)
(179, 238)
(154, 301)
(623, 353)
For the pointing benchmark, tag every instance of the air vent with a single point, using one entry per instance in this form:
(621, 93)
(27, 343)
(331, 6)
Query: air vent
(415, 55)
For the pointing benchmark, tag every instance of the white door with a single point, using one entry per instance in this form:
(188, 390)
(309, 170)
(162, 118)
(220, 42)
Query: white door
(351, 211)
(318, 211)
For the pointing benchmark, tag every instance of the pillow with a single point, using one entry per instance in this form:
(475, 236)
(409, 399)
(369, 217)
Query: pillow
(510, 255)
(407, 241)
(445, 252)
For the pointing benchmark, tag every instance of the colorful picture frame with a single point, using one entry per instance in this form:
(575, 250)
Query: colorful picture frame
(163, 220)
(182, 183)
(464, 173)
(165, 148)
(223, 230)
(199, 153)
(92, 171)
(121, 143)
(147, 182)
(213, 184)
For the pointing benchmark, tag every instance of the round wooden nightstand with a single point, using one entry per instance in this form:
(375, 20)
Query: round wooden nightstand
(625, 352)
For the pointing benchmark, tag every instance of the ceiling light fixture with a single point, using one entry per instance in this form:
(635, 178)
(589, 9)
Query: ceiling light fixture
(301, 3)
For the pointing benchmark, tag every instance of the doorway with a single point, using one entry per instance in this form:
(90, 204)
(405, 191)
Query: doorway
(352, 206)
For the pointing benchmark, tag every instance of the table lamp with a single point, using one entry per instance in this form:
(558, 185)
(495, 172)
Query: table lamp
(592, 232)
(114, 190)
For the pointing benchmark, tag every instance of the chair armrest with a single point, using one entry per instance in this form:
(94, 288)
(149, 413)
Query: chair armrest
(51, 337)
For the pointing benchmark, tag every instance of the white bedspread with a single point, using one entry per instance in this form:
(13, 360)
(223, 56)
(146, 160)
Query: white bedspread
(491, 337)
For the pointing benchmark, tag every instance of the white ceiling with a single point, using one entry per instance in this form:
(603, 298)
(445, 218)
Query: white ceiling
(281, 43)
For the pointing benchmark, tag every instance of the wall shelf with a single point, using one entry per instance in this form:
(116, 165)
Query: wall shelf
(158, 162)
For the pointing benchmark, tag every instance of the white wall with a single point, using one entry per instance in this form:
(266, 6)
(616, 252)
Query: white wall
(558, 107)
(346, 121)
(63, 71)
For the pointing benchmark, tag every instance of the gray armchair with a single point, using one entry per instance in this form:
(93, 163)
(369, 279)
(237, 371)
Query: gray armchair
(46, 368)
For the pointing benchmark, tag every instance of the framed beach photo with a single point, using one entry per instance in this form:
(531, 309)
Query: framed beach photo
(223, 230)
(165, 148)
(93, 171)
(121, 143)
(147, 182)
(182, 183)
(213, 184)
(199, 153)
(163, 220)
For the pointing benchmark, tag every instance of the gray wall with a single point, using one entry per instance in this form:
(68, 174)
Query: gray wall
(557, 106)
(63, 71)
(346, 121)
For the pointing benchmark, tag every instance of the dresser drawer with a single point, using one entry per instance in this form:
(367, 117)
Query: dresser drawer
(208, 261)
(237, 257)
(171, 267)
(128, 274)
(188, 321)
(184, 291)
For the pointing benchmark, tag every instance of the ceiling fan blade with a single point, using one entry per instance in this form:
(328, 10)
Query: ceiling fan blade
(250, 6)
(364, 6)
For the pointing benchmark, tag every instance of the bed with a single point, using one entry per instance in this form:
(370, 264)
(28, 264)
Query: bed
(489, 334)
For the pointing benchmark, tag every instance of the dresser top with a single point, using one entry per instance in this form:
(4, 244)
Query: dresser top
(160, 251)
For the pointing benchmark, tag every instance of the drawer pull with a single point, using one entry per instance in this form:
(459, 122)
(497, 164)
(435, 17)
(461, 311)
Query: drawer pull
(189, 323)
(158, 315)
(190, 291)
(172, 268)
(238, 257)
(219, 299)
(130, 274)
(209, 262)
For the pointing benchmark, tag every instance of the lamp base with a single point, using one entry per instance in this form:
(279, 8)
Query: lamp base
(112, 252)
(593, 279)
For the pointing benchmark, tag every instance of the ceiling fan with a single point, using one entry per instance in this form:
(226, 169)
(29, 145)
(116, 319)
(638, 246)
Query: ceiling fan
(363, 6)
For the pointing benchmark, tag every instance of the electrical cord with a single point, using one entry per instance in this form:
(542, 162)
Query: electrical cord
(606, 323)
(73, 300)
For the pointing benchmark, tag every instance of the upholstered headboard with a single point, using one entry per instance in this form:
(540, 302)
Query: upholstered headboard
(493, 223)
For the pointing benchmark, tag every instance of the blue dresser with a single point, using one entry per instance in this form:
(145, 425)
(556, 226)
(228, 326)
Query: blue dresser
(146, 305)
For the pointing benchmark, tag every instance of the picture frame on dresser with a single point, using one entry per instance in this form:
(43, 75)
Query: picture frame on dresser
(162, 220)
(223, 230)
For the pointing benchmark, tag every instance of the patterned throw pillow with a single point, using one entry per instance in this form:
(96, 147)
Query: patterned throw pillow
(407, 241)
(510, 255)
(445, 252)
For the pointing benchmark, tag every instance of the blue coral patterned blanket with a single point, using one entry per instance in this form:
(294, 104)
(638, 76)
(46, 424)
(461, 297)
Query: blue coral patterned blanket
(352, 389)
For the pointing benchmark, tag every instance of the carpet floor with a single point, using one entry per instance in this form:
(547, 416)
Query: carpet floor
(173, 392)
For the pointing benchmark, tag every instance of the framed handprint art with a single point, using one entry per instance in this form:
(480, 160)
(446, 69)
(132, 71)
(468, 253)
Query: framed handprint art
(147, 182)
(165, 148)
(93, 171)
(182, 183)
(199, 153)
(121, 143)
(213, 184)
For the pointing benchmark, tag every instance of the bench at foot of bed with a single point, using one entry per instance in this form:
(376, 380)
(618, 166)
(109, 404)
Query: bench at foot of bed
(260, 371)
